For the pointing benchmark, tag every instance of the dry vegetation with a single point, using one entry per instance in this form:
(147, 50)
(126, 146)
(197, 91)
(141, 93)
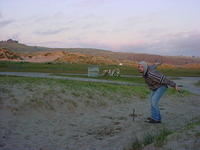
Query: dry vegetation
(92, 56)
(100, 59)
(8, 55)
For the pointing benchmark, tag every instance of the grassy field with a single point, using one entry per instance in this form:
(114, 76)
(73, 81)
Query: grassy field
(86, 87)
(58, 68)
(41, 93)
(82, 68)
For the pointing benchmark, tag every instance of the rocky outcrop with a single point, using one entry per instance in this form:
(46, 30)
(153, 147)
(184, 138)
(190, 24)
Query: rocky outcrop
(7, 55)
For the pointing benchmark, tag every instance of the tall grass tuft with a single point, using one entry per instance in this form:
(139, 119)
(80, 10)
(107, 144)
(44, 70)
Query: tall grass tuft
(160, 139)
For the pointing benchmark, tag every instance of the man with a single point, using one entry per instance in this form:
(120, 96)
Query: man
(157, 83)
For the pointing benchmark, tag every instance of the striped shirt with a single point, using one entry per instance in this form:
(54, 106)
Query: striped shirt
(155, 79)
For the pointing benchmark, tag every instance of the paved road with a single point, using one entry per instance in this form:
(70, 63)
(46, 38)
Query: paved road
(186, 82)
(49, 75)
(189, 84)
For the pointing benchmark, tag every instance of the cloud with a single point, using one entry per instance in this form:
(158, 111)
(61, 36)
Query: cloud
(5, 23)
(52, 31)
(72, 43)
(183, 43)
(93, 2)
(52, 44)
(91, 44)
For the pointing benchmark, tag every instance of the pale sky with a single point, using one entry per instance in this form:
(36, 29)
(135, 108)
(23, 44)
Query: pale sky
(165, 27)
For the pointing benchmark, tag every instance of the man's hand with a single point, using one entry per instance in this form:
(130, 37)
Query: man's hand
(178, 89)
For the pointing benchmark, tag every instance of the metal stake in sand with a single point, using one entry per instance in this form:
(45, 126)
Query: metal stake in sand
(133, 114)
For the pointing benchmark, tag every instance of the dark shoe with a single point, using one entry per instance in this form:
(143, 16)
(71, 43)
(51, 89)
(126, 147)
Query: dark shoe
(150, 120)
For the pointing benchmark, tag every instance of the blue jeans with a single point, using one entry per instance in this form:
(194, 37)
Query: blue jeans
(154, 100)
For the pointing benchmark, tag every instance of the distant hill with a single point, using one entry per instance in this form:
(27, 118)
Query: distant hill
(14, 46)
(57, 57)
(21, 48)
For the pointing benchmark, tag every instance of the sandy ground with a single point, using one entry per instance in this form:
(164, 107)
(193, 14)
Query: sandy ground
(187, 140)
(66, 127)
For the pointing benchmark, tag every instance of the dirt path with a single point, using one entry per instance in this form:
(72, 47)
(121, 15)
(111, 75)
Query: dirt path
(48, 75)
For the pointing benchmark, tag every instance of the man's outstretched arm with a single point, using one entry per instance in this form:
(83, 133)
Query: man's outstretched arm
(162, 79)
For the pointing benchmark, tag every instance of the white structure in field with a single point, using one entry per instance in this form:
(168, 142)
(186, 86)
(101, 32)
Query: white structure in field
(93, 71)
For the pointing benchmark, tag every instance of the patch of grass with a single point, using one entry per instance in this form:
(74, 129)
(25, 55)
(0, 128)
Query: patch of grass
(82, 68)
(182, 93)
(137, 145)
(160, 139)
(192, 124)
(80, 87)
(59, 67)
(148, 139)
(51, 93)
(43, 67)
